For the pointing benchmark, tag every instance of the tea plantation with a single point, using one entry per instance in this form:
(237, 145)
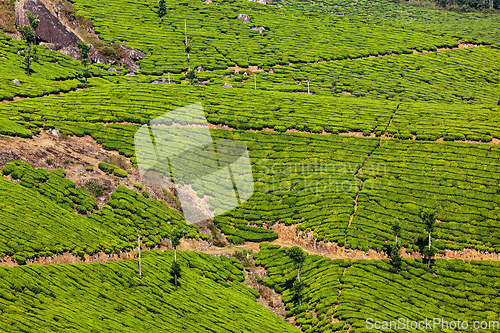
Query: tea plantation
(220, 40)
(342, 294)
(360, 114)
(477, 25)
(111, 297)
(51, 226)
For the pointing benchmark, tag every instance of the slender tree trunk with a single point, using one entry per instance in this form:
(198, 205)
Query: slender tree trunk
(185, 34)
(255, 81)
(298, 273)
(429, 260)
(29, 58)
(308, 92)
(168, 77)
(175, 281)
(139, 246)
(175, 254)
(491, 4)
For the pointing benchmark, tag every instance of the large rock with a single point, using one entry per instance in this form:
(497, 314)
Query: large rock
(97, 57)
(132, 53)
(113, 70)
(131, 65)
(264, 2)
(50, 30)
(199, 69)
(244, 18)
(71, 51)
(16, 81)
(227, 85)
(259, 29)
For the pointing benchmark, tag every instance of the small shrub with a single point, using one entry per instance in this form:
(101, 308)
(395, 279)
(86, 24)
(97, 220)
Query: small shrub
(120, 173)
(145, 194)
(95, 188)
(138, 186)
(48, 161)
(90, 168)
(81, 209)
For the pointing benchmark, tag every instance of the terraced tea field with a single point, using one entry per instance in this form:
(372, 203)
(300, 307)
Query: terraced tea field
(343, 294)
(111, 297)
(220, 40)
(360, 115)
(477, 25)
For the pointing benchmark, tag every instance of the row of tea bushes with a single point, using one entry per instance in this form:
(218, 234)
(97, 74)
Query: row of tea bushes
(220, 40)
(340, 293)
(111, 297)
(51, 226)
(459, 180)
(469, 26)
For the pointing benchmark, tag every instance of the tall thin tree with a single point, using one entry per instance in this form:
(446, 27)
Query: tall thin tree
(395, 249)
(139, 250)
(429, 218)
(162, 8)
(298, 257)
(175, 239)
(84, 50)
(28, 35)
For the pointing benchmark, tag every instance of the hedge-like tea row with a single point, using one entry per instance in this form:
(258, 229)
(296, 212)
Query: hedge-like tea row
(460, 180)
(450, 76)
(111, 297)
(477, 25)
(220, 40)
(370, 289)
(46, 227)
(81, 112)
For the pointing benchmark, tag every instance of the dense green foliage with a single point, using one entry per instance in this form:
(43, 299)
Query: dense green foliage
(461, 181)
(483, 26)
(448, 76)
(369, 289)
(220, 40)
(111, 297)
(50, 225)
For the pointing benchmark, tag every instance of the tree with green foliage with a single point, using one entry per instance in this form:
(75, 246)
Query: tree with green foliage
(191, 75)
(298, 257)
(84, 50)
(175, 270)
(29, 36)
(297, 288)
(396, 226)
(189, 46)
(162, 8)
(175, 238)
(428, 217)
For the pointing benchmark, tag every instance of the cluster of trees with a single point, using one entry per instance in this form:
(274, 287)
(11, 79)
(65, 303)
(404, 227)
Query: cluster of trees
(428, 217)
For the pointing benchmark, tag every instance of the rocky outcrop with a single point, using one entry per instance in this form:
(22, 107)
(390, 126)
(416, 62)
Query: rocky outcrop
(133, 53)
(199, 69)
(244, 18)
(71, 51)
(259, 29)
(227, 85)
(163, 81)
(97, 57)
(264, 2)
(16, 81)
(50, 30)
(113, 70)
(131, 65)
